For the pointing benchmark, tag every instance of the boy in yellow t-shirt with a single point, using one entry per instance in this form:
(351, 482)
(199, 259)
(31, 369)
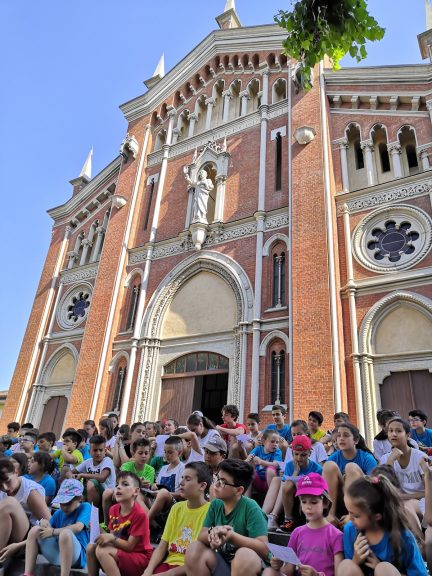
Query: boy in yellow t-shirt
(184, 522)
(69, 456)
(315, 419)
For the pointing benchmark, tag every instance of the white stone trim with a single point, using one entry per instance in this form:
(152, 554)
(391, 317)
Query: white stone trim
(382, 113)
(422, 223)
(79, 274)
(131, 274)
(154, 177)
(376, 367)
(272, 240)
(282, 131)
(273, 336)
(116, 358)
(360, 202)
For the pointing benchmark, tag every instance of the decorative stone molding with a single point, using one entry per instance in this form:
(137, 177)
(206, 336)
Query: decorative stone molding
(420, 222)
(270, 337)
(55, 357)
(83, 273)
(137, 257)
(386, 197)
(129, 146)
(63, 312)
(276, 221)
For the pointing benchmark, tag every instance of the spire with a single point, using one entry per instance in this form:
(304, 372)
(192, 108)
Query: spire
(158, 74)
(85, 174)
(87, 168)
(228, 18)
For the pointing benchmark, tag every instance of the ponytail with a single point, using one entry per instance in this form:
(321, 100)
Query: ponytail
(376, 495)
(360, 441)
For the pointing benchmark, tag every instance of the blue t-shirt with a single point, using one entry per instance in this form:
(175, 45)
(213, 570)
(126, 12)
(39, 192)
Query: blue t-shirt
(311, 467)
(285, 432)
(425, 438)
(363, 459)
(411, 561)
(47, 482)
(81, 514)
(268, 457)
(85, 451)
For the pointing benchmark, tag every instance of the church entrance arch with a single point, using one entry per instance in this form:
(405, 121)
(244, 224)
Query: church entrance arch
(197, 381)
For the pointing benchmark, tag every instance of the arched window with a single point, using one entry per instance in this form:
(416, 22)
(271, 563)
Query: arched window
(384, 156)
(118, 390)
(279, 274)
(408, 142)
(278, 377)
(133, 305)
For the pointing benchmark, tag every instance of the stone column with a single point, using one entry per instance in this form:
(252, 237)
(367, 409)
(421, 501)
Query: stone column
(395, 151)
(175, 135)
(368, 147)
(424, 157)
(210, 102)
(71, 259)
(220, 198)
(343, 147)
(244, 102)
(87, 244)
(192, 120)
(100, 231)
(226, 99)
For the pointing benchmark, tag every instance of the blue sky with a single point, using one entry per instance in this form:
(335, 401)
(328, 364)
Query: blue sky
(65, 68)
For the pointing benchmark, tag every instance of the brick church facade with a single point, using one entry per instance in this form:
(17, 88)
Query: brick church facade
(296, 268)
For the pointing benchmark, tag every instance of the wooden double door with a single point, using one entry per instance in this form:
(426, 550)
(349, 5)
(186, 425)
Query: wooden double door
(180, 396)
(405, 391)
(53, 415)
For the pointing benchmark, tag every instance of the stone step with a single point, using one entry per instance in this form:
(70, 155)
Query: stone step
(280, 538)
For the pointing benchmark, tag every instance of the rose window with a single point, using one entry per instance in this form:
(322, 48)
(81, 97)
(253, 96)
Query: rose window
(79, 305)
(392, 241)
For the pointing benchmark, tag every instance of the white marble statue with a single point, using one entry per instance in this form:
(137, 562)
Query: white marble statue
(202, 188)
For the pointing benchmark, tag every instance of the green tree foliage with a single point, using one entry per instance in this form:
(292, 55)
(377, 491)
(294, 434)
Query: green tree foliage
(332, 27)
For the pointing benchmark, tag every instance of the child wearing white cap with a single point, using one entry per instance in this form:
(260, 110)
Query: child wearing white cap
(62, 539)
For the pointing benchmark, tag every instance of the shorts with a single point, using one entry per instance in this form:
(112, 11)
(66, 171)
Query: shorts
(132, 563)
(164, 567)
(98, 486)
(223, 568)
(49, 547)
(259, 484)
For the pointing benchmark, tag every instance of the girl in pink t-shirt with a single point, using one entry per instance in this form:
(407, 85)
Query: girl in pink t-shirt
(317, 544)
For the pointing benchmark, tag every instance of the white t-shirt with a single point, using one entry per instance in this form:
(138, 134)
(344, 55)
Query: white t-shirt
(318, 454)
(381, 447)
(210, 434)
(410, 478)
(194, 457)
(22, 495)
(111, 442)
(170, 477)
(87, 467)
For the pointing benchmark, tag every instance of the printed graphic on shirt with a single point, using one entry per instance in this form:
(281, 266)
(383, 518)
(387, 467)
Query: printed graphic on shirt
(183, 540)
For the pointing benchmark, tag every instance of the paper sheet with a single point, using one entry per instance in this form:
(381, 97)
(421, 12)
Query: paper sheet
(94, 524)
(283, 553)
(242, 438)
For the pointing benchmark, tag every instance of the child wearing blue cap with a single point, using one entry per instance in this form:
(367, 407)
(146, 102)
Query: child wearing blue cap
(63, 539)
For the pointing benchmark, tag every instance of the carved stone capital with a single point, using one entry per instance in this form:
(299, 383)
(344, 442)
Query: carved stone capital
(227, 94)
(394, 148)
(342, 143)
(245, 94)
(424, 154)
(367, 145)
(210, 101)
(193, 116)
(129, 146)
(429, 105)
(86, 242)
(266, 72)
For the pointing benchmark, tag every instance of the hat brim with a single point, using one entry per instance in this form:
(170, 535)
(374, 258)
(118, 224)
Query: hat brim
(214, 449)
(306, 491)
(63, 499)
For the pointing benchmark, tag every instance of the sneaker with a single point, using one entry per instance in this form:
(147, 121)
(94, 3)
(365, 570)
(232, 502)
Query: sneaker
(272, 525)
(287, 526)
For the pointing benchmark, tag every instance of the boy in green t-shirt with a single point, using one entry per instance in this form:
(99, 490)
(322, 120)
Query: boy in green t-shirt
(234, 534)
(139, 463)
(184, 522)
(69, 455)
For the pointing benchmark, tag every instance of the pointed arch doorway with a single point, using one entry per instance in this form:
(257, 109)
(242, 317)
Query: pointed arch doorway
(195, 381)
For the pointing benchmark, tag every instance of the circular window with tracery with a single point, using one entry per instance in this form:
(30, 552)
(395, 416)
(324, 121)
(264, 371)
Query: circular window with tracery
(392, 239)
(74, 307)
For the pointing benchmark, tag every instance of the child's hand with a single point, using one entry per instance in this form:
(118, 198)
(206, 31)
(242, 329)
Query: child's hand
(44, 523)
(276, 564)
(104, 539)
(361, 549)
(306, 570)
(46, 533)
(395, 454)
(371, 561)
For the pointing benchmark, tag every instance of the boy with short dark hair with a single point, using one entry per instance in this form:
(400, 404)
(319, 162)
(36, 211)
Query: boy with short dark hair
(12, 431)
(419, 432)
(27, 442)
(5, 444)
(230, 428)
(98, 470)
(46, 442)
(234, 534)
(281, 427)
(69, 456)
(184, 522)
(139, 464)
(315, 419)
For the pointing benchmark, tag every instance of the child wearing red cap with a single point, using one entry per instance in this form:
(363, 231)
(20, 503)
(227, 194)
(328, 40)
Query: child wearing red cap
(300, 465)
(318, 544)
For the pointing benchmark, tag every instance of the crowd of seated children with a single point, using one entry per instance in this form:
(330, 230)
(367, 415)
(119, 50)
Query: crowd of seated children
(195, 489)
